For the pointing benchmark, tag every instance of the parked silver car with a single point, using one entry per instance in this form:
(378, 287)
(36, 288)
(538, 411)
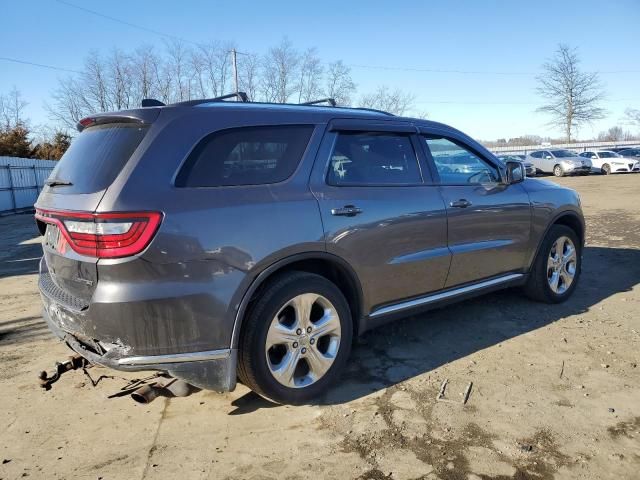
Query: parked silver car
(560, 162)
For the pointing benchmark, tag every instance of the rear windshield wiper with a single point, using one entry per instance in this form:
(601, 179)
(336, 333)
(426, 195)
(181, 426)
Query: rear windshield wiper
(57, 183)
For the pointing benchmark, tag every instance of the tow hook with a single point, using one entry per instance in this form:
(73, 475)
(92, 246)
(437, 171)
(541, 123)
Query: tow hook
(74, 363)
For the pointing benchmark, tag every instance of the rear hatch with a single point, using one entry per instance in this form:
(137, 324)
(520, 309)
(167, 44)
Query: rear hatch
(64, 209)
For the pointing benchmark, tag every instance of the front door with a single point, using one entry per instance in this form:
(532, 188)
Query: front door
(378, 212)
(488, 221)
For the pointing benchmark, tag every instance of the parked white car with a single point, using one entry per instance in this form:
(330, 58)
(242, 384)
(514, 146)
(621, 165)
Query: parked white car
(560, 162)
(606, 162)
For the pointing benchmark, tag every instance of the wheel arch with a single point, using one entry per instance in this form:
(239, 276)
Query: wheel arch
(325, 264)
(568, 218)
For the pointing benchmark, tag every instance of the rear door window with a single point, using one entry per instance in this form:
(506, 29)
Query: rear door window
(245, 156)
(96, 156)
(373, 159)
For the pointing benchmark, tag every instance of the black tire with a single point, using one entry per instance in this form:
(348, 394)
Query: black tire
(557, 171)
(253, 369)
(606, 169)
(537, 286)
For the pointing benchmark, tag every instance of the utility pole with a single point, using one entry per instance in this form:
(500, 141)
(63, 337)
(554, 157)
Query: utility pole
(234, 58)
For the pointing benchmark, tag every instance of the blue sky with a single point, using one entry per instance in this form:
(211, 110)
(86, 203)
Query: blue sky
(489, 36)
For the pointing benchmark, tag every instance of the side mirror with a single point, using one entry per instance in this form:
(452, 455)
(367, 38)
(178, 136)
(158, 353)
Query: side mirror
(515, 172)
(594, 157)
(548, 157)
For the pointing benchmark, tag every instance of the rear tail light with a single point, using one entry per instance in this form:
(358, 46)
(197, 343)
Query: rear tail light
(104, 235)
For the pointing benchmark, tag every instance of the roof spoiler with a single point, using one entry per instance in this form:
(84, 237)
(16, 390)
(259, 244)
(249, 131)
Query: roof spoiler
(142, 116)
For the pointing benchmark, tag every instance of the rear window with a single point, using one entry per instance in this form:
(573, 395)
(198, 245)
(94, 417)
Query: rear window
(96, 156)
(245, 156)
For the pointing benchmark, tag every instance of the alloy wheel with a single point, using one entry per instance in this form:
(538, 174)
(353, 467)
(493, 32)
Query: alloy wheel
(562, 265)
(303, 340)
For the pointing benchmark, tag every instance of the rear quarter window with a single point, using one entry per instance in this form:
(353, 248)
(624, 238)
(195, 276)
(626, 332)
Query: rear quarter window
(245, 156)
(96, 156)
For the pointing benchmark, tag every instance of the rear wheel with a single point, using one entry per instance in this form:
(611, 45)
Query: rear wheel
(557, 171)
(296, 339)
(556, 269)
(606, 169)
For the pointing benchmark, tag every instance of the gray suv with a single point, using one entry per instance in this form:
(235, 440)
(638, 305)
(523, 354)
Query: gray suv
(217, 240)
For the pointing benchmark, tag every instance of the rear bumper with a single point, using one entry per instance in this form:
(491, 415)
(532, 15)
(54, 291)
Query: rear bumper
(211, 370)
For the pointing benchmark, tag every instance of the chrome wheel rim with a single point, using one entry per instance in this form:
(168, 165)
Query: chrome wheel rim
(303, 340)
(562, 265)
(557, 171)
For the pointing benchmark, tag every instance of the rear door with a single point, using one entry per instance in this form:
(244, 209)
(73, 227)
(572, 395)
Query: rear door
(77, 184)
(380, 212)
(489, 222)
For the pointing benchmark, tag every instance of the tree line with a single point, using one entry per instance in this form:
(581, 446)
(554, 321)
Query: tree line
(17, 138)
(121, 79)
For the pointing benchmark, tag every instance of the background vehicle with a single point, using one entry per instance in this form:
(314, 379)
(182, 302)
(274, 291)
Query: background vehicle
(606, 162)
(215, 240)
(560, 162)
(528, 166)
(620, 149)
(631, 153)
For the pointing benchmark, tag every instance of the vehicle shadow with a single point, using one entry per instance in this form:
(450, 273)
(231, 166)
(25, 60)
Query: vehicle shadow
(425, 342)
(422, 343)
(20, 247)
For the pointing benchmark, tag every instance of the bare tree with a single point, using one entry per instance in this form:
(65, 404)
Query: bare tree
(396, 101)
(338, 83)
(310, 87)
(178, 68)
(12, 109)
(214, 67)
(572, 96)
(615, 134)
(143, 64)
(249, 75)
(120, 80)
(280, 72)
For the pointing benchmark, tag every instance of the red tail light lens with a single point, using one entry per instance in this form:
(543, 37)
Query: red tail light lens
(104, 235)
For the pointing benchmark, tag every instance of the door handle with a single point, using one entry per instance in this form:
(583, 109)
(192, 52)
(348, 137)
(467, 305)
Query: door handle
(462, 203)
(346, 211)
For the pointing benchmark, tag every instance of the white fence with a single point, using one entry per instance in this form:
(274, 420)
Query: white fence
(573, 146)
(21, 180)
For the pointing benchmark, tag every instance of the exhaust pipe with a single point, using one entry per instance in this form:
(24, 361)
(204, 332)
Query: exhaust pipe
(171, 387)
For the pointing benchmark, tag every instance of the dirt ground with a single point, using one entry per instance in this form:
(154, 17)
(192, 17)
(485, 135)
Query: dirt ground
(556, 389)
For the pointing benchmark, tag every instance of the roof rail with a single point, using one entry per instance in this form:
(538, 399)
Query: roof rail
(372, 110)
(241, 96)
(329, 100)
(151, 102)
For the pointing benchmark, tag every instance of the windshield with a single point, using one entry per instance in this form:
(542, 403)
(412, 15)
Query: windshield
(563, 153)
(608, 155)
(96, 156)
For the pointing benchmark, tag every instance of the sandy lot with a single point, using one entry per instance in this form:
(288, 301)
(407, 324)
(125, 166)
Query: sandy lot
(556, 389)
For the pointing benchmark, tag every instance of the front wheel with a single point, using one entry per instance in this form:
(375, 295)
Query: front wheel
(606, 169)
(296, 339)
(557, 171)
(556, 269)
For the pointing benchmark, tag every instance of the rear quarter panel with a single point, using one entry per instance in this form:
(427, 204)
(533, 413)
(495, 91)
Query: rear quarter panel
(183, 292)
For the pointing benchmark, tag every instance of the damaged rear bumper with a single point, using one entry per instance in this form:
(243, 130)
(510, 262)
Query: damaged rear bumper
(211, 370)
